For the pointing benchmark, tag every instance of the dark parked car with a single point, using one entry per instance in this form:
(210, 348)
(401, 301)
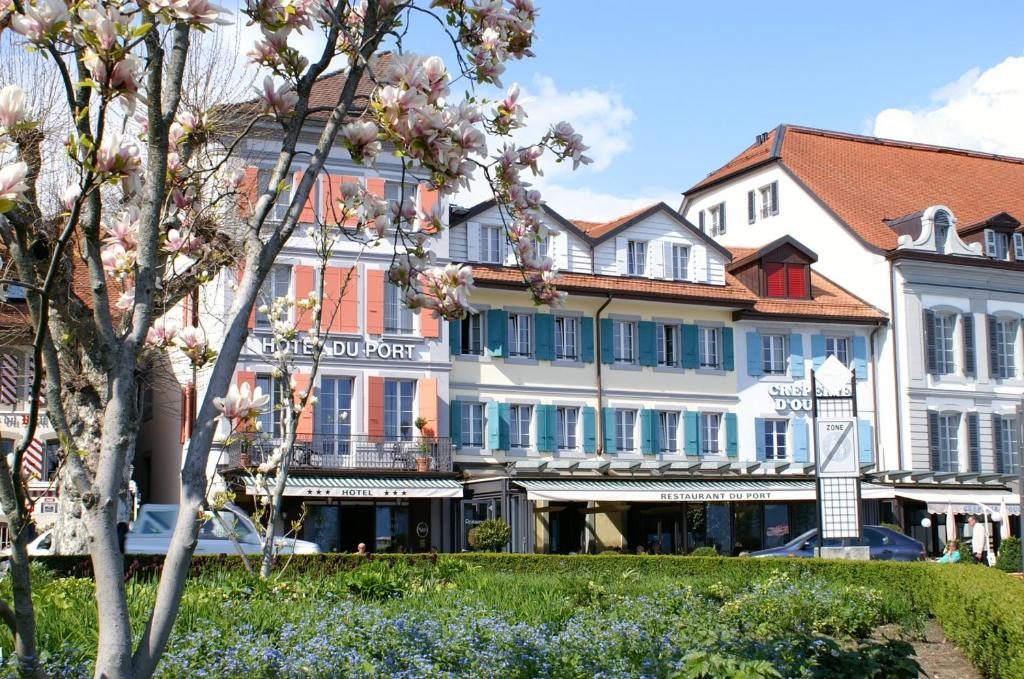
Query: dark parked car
(885, 544)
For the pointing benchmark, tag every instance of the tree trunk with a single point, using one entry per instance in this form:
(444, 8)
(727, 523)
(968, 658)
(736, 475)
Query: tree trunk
(114, 648)
(70, 533)
(24, 613)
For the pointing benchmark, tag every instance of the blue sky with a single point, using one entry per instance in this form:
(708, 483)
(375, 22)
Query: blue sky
(675, 89)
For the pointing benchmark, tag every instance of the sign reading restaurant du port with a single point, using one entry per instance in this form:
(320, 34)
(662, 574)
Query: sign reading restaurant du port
(344, 348)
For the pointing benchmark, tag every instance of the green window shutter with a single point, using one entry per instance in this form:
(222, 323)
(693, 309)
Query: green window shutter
(796, 356)
(552, 417)
(656, 433)
(730, 435)
(607, 345)
(728, 353)
(546, 428)
(691, 425)
(860, 357)
(801, 451)
(647, 331)
(866, 442)
(545, 337)
(589, 430)
(504, 415)
(587, 339)
(690, 354)
(455, 422)
(647, 431)
(755, 366)
(497, 331)
(759, 437)
(493, 426)
(609, 430)
(455, 336)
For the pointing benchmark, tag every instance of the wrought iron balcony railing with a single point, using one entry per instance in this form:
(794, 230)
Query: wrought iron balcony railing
(329, 451)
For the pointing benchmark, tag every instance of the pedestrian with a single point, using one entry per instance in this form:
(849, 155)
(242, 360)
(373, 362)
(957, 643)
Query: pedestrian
(979, 540)
(361, 549)
(951, 554)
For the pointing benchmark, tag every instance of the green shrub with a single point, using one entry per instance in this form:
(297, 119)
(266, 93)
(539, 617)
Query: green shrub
(1009, 555)
(490, 536)
(704, 551)
(964, 547)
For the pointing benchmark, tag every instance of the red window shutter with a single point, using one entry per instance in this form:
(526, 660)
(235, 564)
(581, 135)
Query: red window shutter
(308, 214)
(331, 195)
(775, 279)
(304, 424)
(375, 301)
(375, 186)
(375, 406)
(188, 410)
(304, 284)
(248, 192)
(246, 377)
(797, 275)
(348, 319)
(428, 404)
(427, 200)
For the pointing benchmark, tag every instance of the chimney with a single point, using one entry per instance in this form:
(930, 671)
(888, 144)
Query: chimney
(761, 138)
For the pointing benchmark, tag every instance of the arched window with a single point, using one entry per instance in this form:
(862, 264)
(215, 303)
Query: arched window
(942, 224)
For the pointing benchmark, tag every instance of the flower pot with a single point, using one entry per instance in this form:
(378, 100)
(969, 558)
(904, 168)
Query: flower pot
(245, 460)
(423, 464)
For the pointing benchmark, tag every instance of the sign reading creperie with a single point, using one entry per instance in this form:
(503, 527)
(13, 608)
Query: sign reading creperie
(340, 348)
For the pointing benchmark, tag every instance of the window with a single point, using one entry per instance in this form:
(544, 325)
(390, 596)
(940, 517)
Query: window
(625, 422)
(623, 340)
(270, 418)
(773, 354)
(680, 262)
(398, 418)
(334, 414)
(472, 329)
(838, 347)
(566, 421)
(941, 230)
(710, 425)
(490, 244)
(519, 426)
(281, 205)
(716, 215)
(397, 316)
(544, 246)
(473, 425)
(786, 280)
(636, 258)
(775, 439)
(709, 345)
(396, 191)
(275, 285)
(520, 335)
(668, 345)
(949, 444)
(945, 361)
(668, 429)
(1007, 461)
(1005, 345)
(997, 245)
(769, 200)
(565, 338)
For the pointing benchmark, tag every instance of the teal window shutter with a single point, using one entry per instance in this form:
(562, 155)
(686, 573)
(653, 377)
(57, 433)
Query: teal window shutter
(866, 441)
(552, 428)
(860, 357)
(759, 437)
(497, 331)
(796, 355)
(647, 431)
(493, 426)
(455, 422)
(728, 352)
(545, 432)
(817, 351)
(504, 415)
(607, 343)
(648, 336)
(589, 430)
(730, 435)
(656, 432)
(691, 425)
(545, 337)
(755, 366)
(455, 336)
(690, 354)
(609, 430)
(587, 339)
(801, 451)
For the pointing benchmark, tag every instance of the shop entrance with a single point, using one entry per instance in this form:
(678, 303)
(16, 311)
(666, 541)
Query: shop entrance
(382, 527)
(658, 529)
(567, 526)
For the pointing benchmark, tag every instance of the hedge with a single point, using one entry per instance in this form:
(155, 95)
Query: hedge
(980, 609)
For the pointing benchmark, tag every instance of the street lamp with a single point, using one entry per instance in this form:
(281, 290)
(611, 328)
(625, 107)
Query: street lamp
(926, 522)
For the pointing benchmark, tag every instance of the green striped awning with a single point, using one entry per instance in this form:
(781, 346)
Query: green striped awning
(668, 490)
(355, 487)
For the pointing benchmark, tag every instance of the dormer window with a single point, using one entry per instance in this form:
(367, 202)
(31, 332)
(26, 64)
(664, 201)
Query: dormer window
(997, 245)
(636, 258)
(786, 280)
(941, 231)
(490, 244)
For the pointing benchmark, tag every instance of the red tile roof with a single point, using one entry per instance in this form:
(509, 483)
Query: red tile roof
(598, 229)
(866, 180)
(828, 300)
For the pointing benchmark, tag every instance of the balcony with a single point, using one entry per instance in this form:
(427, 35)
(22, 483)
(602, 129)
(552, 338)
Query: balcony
(328, 451)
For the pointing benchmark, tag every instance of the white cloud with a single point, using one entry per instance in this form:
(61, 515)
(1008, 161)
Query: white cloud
(980, 110)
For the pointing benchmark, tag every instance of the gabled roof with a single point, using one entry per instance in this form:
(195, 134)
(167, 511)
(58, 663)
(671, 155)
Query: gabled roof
(865, 181)
(829, 301)
(460, 215)
(742, 256)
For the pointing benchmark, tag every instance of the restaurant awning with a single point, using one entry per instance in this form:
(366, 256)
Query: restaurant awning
(963, 500)
(355, 487)
(669, 490)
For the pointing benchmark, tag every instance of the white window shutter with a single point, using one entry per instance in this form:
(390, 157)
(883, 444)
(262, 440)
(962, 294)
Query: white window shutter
(561, 244)
(508, 255)
(655, 260)
(699, 264)
(473, 241)
(620, 256)
(990, 243)
(667, 261)
(1018, 246)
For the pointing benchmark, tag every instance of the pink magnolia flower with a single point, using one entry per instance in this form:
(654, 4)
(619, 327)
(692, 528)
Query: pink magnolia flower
(40, 19)
(192, 341)
(12, 184)
(161, 333)
(205, 13)
(12, 106)
(117, 261)
(118, 155)
(123, 230)
(361, 140)
(242, 403)
(126, 300)
(280, 100)
(70, 195)
(232, 179)
(179, 243)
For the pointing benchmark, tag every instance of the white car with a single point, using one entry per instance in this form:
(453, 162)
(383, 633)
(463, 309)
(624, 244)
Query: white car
(152, 531)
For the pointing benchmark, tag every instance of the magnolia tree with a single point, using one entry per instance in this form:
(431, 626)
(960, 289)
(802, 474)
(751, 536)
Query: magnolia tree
(148, 216)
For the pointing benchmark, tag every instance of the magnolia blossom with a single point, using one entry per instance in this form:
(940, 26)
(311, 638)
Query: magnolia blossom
(242, 403)
(179, 243)
(232, 178)
(126, 300)
(162, 333)
(280, 100)
(193, 343)
(70, 195)
(12, 106)
(12, 183)
(117, 261)
(40, 19)
(123, 230)
(118, 155)
(361, 140)
(205, 12)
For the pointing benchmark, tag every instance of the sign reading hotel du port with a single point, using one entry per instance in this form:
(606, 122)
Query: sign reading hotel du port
(344, 348)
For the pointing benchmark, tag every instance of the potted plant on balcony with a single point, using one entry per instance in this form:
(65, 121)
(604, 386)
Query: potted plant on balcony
(425, 446)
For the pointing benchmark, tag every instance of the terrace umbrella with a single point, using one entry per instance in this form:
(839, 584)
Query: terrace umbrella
(1004, 526)
(950, 523)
